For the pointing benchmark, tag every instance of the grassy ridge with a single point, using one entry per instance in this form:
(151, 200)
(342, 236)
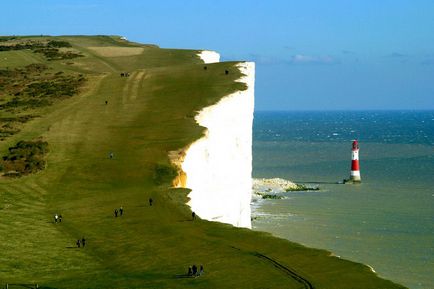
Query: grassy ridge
(148, 114)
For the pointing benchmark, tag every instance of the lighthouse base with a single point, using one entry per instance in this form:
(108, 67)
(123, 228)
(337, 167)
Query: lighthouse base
(352, 181)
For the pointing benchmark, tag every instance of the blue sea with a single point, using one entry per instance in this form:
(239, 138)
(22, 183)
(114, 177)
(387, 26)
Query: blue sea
(387, 221)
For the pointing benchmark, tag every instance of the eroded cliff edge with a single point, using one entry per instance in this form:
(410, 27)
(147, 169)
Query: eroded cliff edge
(218, 167)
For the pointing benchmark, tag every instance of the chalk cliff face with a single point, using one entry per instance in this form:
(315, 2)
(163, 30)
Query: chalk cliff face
(209, 56)
(218, 167)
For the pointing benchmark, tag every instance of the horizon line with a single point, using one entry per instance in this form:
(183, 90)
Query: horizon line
(348, 110)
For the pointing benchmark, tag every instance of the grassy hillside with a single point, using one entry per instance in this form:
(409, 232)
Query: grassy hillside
(138, 119)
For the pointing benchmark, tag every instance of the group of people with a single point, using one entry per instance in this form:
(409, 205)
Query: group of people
(194, 272)
(57, 218)
(119, 212)
(81, 242)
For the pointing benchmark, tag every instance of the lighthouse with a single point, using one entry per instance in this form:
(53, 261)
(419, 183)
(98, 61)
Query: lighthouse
(355, 168)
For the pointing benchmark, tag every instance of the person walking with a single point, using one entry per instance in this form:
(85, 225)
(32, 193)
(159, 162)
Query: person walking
(60, 218)
(121, 211)
(56, 217)
(78, 243)
(193, 215)
(116, 213)
(150, 202)
(83, 241)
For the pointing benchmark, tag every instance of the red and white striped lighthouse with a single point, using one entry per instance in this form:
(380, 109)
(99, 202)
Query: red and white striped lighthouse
(355, 167)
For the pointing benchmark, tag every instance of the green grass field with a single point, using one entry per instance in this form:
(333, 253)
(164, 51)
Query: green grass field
(148, 114)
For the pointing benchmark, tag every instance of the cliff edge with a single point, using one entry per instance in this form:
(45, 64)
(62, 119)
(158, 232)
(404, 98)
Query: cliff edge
(218, 166)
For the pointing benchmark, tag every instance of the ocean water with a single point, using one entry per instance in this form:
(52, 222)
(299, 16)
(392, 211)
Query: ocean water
(387, 221)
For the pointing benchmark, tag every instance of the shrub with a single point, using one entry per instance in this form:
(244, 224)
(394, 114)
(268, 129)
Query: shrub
(274, 197)
(58, 43)
(31, 87)
(301, 187)
(24, 158)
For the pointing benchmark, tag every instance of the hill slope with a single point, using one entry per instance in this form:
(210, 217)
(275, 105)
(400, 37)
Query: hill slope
(108, 145)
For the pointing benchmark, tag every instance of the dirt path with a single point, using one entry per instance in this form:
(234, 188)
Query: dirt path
(135, 86)
(131, 88)
(292, 274)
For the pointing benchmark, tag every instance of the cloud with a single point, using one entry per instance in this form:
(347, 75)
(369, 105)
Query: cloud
(299, 59)
(308, 59)
(264, 59)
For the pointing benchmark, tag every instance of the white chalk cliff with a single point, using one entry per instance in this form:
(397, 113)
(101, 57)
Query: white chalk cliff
(209, 56)
(218, 167)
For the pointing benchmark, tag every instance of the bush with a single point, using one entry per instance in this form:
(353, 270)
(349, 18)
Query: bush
(24, 158)
(56, 54)
(301, 187)
(274, 197)
(50, 49)
(58, 43)
(25, 89)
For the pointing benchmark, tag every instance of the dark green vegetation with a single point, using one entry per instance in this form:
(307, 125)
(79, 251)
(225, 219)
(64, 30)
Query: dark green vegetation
(24, 90)
(276, 197)
(271, 196)
(49, 48)
(301, 187)
(25, 158)
(147, 115)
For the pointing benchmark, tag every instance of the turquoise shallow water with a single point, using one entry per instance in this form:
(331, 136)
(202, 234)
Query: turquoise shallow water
(387, 221)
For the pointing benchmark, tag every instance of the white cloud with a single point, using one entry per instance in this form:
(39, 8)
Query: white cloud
(308, 59)
(264, 59)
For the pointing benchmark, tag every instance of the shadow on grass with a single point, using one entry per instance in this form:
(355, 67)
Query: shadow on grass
(186, 276)
(185, 220)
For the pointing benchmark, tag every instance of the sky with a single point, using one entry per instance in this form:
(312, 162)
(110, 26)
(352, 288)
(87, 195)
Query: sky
(310, 55)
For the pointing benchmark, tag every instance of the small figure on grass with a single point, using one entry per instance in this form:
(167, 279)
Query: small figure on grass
(56, 218)
(83, 241)
(193, 215)
(193, 271)
(121, 210)
(78, 243)
(111, 155)
(106, 102)
(60, 218)
(150, 201)
(116, 213)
